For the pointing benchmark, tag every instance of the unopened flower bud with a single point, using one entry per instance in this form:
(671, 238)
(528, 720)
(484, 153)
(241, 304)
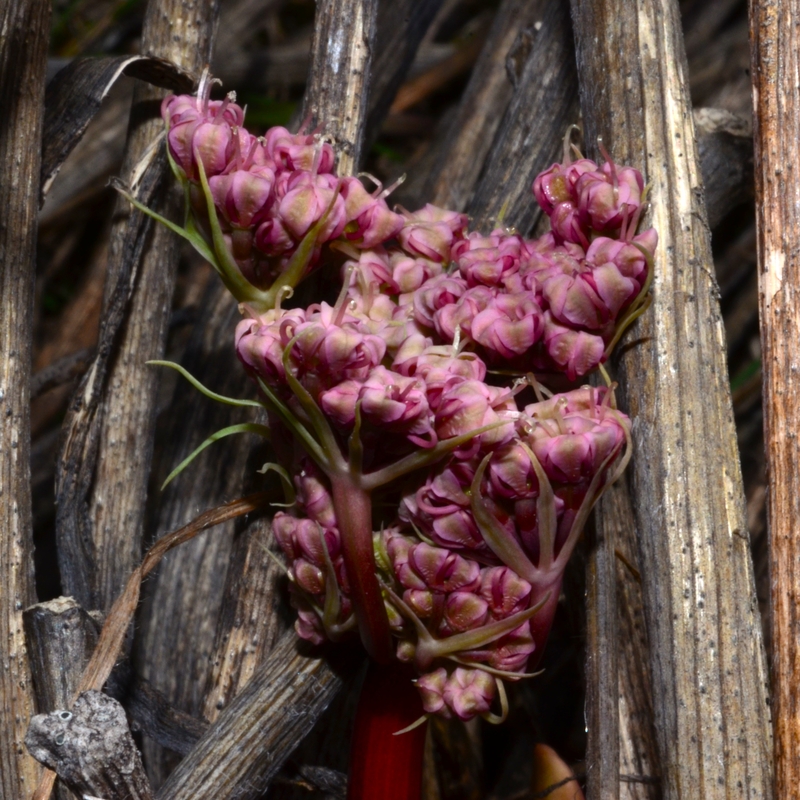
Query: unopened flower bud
(431, 231)
(576, 352)
(469, 692)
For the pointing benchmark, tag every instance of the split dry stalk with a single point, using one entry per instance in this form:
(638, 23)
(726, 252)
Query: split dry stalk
(706, 647)
(339, 80)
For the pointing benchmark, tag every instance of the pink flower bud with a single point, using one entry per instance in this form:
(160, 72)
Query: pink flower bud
(391, 400)
(371, 274)
(284, 527)
(212, 142)
(441, 508)
(314, 495)
(557, 184)
(369, 220)
(458, 530)
(299, 151)
(305, 538)
(627, 258)
(573, 448)
(260, 342)
(487, 260)
(550, 188)
(309, 627)
(578, 295)
(464, 611)
(431, 231)
(460, 316)
(435, 568)
(197, 128)
(576, 352)
(568, 225)
(339, 403)
(330, 347)
(609, 197)
(406, 651)
(509, 326)
(466, 406)
(307, 201)
(504, 591)
(435, 294)
(431, 688)
(179, 108)
(469, 692)
(409, 273)
(437, 366)
(308, 576)
(512, 652)
(273, 238)
(242, 196)
(420, 601)
(511, 474)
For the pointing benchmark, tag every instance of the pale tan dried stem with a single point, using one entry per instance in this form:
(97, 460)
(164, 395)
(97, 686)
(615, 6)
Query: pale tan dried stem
(706, 649)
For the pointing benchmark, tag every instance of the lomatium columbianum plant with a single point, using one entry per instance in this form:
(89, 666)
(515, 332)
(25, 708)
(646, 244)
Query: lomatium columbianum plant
(438, 488)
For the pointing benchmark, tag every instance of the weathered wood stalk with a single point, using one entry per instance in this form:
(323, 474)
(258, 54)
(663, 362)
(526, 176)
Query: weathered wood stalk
(706, 651)
(24, 30)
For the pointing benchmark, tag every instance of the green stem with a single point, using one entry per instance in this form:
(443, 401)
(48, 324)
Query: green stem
(353, 506)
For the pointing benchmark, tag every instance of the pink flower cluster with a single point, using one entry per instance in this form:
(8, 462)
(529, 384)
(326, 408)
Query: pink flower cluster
(268, 192)
(481, 487)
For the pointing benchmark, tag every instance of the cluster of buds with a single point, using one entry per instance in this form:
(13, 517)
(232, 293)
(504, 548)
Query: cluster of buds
(482, 486)
(264, 208)
(471, 568)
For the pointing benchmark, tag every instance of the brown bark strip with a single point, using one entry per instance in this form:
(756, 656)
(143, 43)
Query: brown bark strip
(775, 41)
(462, 150)
(707, 661)
(250, 620)
(437, 77)
(243, 750)
(24, 32)
(153, 716)
(339, 80)
(543, 105)
(75, 469)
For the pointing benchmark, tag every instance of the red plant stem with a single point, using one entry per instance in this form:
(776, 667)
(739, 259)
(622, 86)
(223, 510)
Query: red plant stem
(353, 506)
(384, 766)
